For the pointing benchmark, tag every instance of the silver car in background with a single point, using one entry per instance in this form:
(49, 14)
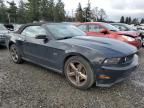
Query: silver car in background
(3, 32)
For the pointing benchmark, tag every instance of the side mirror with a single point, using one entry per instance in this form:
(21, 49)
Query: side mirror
(104, 31)
(41, 37)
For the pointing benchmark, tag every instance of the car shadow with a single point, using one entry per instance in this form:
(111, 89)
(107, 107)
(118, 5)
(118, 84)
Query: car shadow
(42, 68)
(62, 77)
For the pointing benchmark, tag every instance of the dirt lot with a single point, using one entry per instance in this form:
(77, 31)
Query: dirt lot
(30, 86)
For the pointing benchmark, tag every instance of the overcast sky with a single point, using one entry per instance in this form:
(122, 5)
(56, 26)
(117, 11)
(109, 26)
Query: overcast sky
(114, 8)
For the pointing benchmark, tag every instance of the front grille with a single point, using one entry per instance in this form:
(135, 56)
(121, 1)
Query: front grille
(127, 59)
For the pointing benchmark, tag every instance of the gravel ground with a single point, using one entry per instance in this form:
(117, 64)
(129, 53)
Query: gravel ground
(30, 86)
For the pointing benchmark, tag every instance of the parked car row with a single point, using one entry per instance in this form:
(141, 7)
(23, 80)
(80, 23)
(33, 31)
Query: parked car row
(100, 58)
(119, 31)
(106, 30)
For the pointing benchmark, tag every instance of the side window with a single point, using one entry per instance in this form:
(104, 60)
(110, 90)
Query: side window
(83, 28)
(33, 31)
(95, 28)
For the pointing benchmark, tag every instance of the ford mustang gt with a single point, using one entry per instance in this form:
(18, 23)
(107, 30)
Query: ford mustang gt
(66, 49)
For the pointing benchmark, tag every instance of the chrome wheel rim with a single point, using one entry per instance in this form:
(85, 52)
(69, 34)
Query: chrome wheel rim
(76, 73)
(14, 54)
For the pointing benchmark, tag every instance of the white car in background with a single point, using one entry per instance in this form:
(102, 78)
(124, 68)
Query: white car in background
(140, 27)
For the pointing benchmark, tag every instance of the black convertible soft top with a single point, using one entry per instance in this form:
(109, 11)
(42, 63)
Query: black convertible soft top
(29, 24)
(33, 24)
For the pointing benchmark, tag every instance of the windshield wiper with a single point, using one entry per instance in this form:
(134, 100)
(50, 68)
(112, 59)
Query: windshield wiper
(68, 37)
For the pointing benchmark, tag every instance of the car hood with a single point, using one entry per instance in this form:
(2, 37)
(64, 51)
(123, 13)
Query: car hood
(107, 47)
(130, 33)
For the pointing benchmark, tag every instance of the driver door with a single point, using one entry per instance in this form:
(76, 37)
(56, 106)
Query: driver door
(35, 49)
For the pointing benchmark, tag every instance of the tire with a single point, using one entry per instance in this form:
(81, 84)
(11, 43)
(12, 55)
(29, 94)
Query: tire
(83, 76)
(15, 54)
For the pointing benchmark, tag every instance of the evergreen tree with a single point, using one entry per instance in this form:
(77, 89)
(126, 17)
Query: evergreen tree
(142, 20)
(44, 10)
(127, 20)
(59, 12)
(79, 14)
(3, 12)
(135, 21)
(51, 10)
(87, 13)
(122, 20)
(33, 9)
(12, 10)
(21, 14)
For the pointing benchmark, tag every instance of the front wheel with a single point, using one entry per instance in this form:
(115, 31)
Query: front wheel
(15, 55)
(79, 72)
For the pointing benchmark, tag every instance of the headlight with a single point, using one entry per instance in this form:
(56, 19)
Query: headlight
(128, 38)
(112, 61)
(99, 60)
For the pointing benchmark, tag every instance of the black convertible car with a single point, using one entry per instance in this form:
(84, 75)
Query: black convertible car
(65, 49)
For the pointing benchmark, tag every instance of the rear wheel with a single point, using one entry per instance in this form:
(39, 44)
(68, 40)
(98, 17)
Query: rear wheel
(79, 72)
(15, 55)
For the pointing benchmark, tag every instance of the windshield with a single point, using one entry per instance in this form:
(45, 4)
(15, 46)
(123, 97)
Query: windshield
(110, 27)
(64, 31)
(2, 27)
